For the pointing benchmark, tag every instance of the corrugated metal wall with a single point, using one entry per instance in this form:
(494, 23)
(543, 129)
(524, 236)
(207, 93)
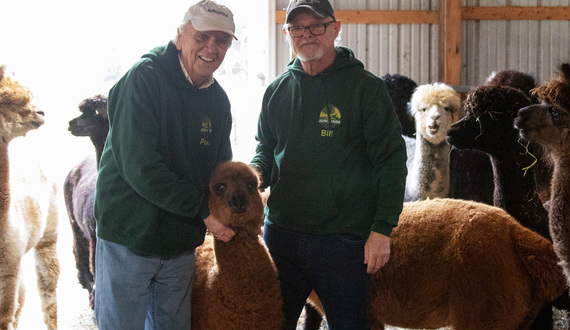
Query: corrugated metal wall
(534, 47)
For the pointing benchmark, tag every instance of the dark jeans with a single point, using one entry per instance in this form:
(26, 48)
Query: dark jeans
(332, 265)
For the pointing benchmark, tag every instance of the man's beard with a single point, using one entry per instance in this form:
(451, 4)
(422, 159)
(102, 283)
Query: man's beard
(312, 57)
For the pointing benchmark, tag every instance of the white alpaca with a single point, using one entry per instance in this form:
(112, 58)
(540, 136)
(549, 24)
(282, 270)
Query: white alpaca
(28, 212)
(435, 108)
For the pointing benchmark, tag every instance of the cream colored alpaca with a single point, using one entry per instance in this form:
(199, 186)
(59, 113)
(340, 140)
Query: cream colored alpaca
(28, 213)
(435, 108)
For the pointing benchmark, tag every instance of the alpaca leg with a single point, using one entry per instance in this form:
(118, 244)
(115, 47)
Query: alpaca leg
(21, 299)
(47, 270)
(92, 249)
(82, 257)
(8, 288)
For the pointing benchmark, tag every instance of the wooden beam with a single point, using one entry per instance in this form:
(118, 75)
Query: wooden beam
(516, 13)
(449, 41)
(561, 13)
(379, 16)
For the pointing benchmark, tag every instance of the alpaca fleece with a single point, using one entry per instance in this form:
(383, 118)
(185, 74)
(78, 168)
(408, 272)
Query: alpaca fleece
(435, 108)
(466, 265)
(28, 211)
(548, 124)
(79, 189)
(400, 88)
(235, 283)
(488, 127)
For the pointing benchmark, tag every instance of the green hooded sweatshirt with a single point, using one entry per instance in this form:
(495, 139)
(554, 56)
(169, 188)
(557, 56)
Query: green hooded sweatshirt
(165, 138)
(330, 148)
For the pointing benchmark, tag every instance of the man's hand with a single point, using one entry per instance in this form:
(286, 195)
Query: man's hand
(218, 229)
(376, 252)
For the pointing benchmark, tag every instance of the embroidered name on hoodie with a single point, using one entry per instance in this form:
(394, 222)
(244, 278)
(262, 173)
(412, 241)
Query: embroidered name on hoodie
(329, 119)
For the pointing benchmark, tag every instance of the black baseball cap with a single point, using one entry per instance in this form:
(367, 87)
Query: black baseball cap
(321, 7)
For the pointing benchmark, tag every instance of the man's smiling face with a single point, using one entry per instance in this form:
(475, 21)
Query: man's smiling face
(202, 52)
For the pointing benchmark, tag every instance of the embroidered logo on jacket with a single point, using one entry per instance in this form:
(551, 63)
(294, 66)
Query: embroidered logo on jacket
(206, 129)
(329, 119)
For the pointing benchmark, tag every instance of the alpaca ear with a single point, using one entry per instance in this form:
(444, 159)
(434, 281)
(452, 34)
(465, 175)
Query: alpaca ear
(565, 68)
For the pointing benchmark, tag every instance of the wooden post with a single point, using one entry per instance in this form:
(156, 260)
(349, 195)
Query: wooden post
(450, 41)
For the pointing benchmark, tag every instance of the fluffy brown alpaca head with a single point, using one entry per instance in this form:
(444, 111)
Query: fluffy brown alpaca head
(17, 114)
(548, 124)
(235, 198)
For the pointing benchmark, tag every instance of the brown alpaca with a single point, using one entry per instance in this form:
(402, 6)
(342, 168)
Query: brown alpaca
(28, 213)
(463, 264)
(235, 283)
(548, 124)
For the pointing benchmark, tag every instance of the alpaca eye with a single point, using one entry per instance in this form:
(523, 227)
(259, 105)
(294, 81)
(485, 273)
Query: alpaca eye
(448, 109)
(423, 109)
(554, 114)
(220, 188)
(252, 186)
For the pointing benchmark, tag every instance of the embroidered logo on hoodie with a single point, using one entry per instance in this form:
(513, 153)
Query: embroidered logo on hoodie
(206, 130)
(329, 119)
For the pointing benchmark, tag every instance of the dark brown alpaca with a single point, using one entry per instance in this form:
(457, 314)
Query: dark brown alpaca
(235, 283)
(79, 189)
(548, 124)
(488, 127)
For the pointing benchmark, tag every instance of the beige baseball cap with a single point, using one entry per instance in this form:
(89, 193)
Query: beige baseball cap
(208, 15)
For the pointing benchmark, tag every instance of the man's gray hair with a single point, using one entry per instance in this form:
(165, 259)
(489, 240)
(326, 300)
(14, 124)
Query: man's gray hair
(180, 28)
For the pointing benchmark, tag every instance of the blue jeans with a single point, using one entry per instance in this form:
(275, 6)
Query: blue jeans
(331, 265)
(136, 291)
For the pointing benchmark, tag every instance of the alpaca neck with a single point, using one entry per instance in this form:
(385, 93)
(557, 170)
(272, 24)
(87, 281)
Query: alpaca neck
(559, 191)
(559, 215)
(431, 166)
(230, 255)
(516, 193)
(4, 182)
(99, 143)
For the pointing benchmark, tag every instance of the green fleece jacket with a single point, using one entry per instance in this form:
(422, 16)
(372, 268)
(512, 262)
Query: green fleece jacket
(165, 138)
(330, 147)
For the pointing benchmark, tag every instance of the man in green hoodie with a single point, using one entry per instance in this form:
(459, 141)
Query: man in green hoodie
(330, 148)
(170, 123)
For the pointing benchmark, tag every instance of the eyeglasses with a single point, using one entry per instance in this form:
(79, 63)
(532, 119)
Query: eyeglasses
(315, 29)
(220, 42)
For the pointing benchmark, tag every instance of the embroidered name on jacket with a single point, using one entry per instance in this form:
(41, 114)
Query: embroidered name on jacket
(329, 119)
(205, 130)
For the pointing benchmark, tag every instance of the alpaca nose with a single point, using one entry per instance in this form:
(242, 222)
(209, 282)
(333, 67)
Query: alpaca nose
(238, 203)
